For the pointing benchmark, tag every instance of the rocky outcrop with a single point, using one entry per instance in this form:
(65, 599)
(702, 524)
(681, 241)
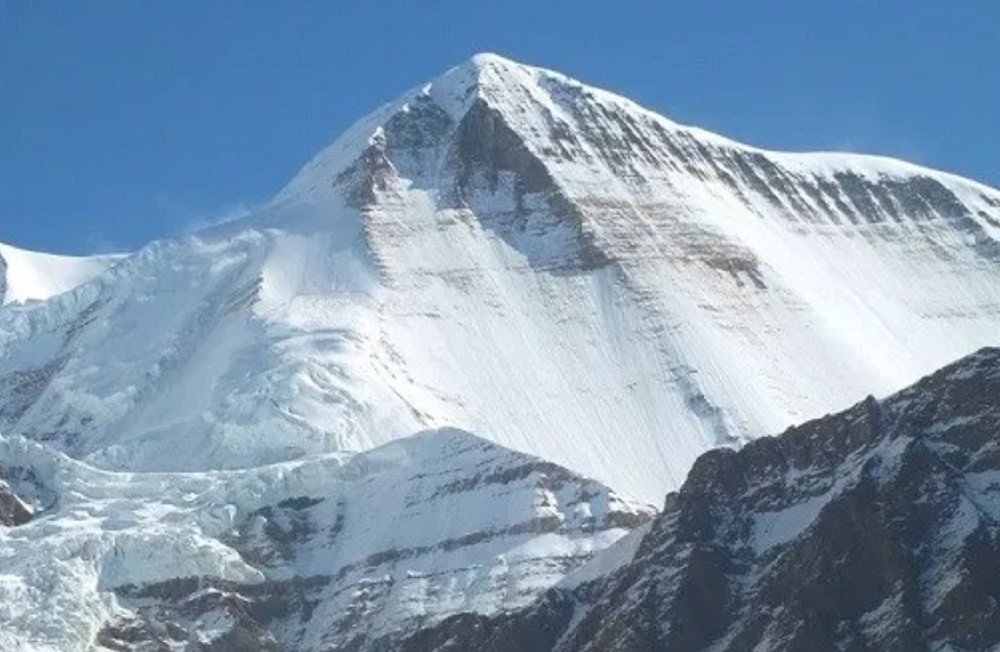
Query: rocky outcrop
(873, 529)
(3, 280)
(13, 510)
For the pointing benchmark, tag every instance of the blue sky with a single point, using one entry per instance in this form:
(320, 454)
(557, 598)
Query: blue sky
(124, 121)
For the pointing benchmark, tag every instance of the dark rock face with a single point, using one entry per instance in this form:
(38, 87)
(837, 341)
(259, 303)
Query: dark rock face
(539, 628)
(12, 510)
(485, 152)
(3, 279)
(477, 166)
(172, 614)
(874, 529)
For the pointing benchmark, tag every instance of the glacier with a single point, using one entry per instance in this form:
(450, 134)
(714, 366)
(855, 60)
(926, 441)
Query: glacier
(399, 536)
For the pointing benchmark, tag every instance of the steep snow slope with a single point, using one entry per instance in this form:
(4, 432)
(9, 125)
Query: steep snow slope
(511, 252)
(27, 275)
(330, 550)
(877, 528)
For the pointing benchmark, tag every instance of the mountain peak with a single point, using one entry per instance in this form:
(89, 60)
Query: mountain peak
(431, 111)
(493, 73)
(486, 63)
(485, 74)
(495, 169)
(486, 59)
(574, 129)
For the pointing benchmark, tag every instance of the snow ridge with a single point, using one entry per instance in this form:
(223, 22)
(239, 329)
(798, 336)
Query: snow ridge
(32, 276)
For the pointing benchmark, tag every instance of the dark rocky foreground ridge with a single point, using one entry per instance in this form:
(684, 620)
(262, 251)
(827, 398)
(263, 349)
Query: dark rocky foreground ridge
(874, 529)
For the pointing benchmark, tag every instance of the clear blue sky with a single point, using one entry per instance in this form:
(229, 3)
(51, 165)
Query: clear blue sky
(124, 121)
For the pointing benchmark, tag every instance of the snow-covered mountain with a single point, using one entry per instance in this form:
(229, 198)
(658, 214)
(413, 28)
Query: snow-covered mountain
(330, 550)
(874, 529)
(502, 250)
(542, 263)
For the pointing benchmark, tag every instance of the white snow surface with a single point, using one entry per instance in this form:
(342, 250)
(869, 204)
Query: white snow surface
(415, 530)
(413, 277)
(608, 560)
(29, 275)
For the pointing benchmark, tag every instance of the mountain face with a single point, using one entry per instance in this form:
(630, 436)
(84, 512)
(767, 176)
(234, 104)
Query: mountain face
(204, 428)
(877, 528)
(319, 554)
(545, 264)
